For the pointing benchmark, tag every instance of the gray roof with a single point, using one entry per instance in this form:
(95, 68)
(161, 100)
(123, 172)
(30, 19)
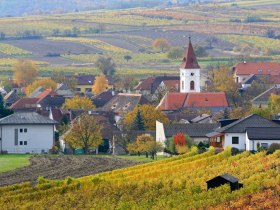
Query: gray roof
(193, 130)
(11, 97)
(227, 177)
(264, 97)
(241, 125)
(20, 118)
(268, 133)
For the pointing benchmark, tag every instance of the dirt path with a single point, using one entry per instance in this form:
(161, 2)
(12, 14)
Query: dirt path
(58, 167)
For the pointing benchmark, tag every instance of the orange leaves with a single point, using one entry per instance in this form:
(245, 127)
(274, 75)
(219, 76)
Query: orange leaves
(100, 84)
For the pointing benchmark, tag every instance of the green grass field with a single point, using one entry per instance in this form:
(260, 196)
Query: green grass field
(11, 162)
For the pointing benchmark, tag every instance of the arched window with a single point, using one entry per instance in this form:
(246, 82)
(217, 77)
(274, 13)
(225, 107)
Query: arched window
(192, 85)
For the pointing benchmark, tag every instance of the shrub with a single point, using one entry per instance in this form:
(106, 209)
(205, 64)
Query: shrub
(234, 151)
(273, 147)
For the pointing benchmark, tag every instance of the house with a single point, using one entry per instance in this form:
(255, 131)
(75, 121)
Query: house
(197, 131)
(262, 136)
(243, 71)
(11, 98)
(101, 99)
(190, 95)
(224, 179)
(64, 91)
(85, 83)
(122, 103)
(234, 134)
(145, 86)
(26, 132)
(263, 99)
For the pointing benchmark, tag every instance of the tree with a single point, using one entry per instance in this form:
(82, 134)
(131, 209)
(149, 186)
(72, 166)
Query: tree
(149, 113)
(79, 103)
(161, 44)
(175, 53)
(2, 36)
(145, 144)
(223, 80)
(200, 51)
(127, 57)
(55, 32)
(211, 40)
(45, 83)
(100, 84)
(3, 111)
(85, 133)
(106, 65)
(138, 122)
(25, 72)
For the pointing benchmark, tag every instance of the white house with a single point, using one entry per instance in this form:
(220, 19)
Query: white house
(26, 132)
(197, 131)
(235, 134)
(262, 136)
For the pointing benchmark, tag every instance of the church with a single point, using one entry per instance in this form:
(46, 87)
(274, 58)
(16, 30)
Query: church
(190, 95)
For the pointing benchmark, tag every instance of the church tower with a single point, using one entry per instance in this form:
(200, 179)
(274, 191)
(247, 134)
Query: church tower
(190, 72)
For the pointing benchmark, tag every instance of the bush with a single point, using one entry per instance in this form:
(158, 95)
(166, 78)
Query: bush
(54, 150)
(273, 147)
(234, 151)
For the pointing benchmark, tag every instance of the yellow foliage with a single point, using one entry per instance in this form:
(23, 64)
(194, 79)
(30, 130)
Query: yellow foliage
(100, 84)
(85, 133)
(149, 113)
(182, 149)
(45, 83)
(78, 103)
(25, 72)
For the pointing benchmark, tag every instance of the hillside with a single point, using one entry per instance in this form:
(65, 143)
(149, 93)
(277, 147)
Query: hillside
(174, 183)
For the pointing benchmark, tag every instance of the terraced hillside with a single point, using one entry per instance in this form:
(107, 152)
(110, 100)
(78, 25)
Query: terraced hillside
(175, 183)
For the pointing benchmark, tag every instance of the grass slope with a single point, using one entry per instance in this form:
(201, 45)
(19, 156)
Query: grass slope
(11, 162)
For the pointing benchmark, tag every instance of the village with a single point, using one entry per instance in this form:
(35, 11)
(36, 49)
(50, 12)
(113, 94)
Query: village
(236, 106)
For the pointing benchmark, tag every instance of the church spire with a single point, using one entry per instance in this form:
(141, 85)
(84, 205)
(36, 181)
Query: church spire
(189, 61)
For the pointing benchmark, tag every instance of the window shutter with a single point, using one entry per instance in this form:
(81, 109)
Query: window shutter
(16, 136)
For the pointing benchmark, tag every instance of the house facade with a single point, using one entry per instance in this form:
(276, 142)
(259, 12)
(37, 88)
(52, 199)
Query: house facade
(235, 133)
(26, 132)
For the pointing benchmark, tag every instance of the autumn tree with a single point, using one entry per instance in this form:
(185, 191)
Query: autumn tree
(78, 103)
(145, 144)
(106, 65)
(223, 80)
(25, 72)
(45, 83)
(100, 84)
(161, 44)
(149, 113)
(182, 143)
(84, 133)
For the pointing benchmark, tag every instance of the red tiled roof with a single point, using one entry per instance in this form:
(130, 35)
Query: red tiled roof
(171, 83)
(189, 61)
(174, 101)
(206, 100)
(25, 103)
(257, 68)
(146, 84)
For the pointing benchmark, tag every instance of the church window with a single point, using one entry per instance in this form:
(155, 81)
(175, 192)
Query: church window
(192, 85)
(192, 74)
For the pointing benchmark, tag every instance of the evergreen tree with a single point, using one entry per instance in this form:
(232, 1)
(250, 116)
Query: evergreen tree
(3, 111)
(139, 122)
(1, 102)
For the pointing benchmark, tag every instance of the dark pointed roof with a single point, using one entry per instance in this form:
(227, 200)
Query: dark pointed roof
(189, 61)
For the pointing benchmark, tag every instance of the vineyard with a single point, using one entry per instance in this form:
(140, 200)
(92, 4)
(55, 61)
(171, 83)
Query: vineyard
(173, 183)
(12, 50)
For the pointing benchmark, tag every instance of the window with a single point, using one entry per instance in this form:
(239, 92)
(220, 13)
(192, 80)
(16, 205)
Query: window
(192, 74)
(25, 142)
(264, 145)
(260, 70)
(235, 140)
(88, 90)
(21, 130)
(25, 130)
(182, 85)
(192, 85)
(21, 143)
(78, 89)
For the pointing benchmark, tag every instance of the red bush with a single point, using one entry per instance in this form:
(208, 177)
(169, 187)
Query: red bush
(180, 139)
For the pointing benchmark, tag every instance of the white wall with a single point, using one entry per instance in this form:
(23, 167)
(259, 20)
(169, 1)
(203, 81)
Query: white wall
(160, 135)
(252, 144)
(38, 137)
(242, 140)
(185, 76)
